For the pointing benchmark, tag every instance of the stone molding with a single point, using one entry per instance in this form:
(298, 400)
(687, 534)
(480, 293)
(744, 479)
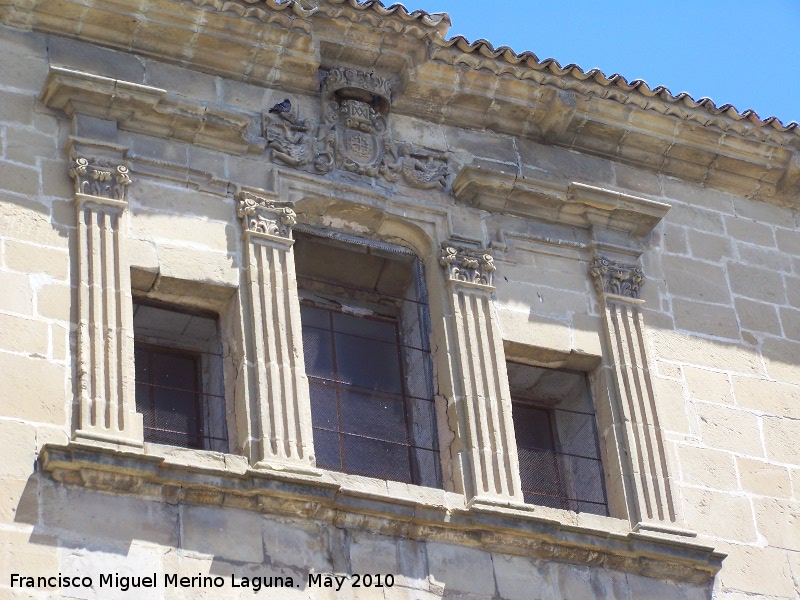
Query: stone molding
(512, 530)
(342, 78)
(611, 277)
(100, 178)
(352, 134)
(468, 265)
(648, 131)
(646, 469)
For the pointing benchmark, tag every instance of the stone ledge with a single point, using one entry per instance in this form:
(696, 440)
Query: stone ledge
(513, 529)
(152, 111)
(576, 204)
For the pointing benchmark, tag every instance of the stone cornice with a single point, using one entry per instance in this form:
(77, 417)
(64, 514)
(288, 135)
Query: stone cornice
(444, 81)
(511, 529)
(150, 110)
(577, 204)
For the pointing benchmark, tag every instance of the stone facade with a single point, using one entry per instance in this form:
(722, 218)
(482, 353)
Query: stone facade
(172, 153)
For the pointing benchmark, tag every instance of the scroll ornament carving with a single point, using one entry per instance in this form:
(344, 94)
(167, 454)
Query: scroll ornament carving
(611, 277)
(351, 135)
(100, 178)
(469, 265)
(266, 216)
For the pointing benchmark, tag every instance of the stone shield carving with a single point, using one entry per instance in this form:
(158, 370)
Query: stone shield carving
(352, 134)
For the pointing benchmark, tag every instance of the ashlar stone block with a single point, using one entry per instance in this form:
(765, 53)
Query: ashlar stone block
(520, 578)
(782, 399)
(764, 478)
(708, 468)
(780, 439)
(703, 507)
(226, 533)
(707, 385)
(730, 429)
(460, 569)
(42, 399)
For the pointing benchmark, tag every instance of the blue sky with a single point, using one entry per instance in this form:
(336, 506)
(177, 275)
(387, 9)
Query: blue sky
(736, 52)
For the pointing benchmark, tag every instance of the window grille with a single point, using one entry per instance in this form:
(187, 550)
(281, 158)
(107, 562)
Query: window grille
(368, 363)
(557, 444)
(178, 389)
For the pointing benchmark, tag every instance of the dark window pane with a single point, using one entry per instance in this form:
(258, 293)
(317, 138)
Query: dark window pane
(373, 416)
(539, 472)
(174, 371)
(368, 364)
(315, 317)
(371, 328)
(376, 459)
(532, 426)
(168, 396)
(318, 353)
(359, 409)
(326, 449)
(559, 457)
(323, 405)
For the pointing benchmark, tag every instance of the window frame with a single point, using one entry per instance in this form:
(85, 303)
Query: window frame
(356, 245)
(567, 492)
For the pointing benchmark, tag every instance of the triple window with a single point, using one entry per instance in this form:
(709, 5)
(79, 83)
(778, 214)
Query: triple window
(366, 329)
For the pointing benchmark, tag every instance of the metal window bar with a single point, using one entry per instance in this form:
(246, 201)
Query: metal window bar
(167, 416)
(356, 439)
(552, 476)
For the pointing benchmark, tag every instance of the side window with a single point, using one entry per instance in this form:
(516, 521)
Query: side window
(556, 432)
(365, 339)
(178, 373)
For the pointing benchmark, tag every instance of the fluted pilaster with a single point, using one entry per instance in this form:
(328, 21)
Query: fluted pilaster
(650, 498)
(481, 385)
(283, 406)
(107, 410)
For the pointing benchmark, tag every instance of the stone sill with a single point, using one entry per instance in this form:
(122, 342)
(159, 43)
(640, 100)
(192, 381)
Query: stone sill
(389, 508)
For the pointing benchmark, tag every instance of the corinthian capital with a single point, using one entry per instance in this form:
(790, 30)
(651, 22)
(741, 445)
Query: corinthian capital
(611, 277)
(98, 178)
(260, 215)
(467, 265)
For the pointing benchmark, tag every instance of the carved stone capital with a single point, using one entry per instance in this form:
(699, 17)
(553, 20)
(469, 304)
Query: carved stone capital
(260, 215)
(611, 277)
(467, 265)
(99, 178)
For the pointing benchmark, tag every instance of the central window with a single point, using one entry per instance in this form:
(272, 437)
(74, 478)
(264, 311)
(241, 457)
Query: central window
(365, 340)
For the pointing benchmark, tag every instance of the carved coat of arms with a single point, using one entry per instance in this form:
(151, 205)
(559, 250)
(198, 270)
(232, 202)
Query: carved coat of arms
(352, 134)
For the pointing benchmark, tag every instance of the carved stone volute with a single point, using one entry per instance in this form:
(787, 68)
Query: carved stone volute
(100, 178)
(264, 216)
(467, 265)
(611, 277)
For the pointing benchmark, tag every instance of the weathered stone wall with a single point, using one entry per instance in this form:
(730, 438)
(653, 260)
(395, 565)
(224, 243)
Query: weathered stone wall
(722, 312)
